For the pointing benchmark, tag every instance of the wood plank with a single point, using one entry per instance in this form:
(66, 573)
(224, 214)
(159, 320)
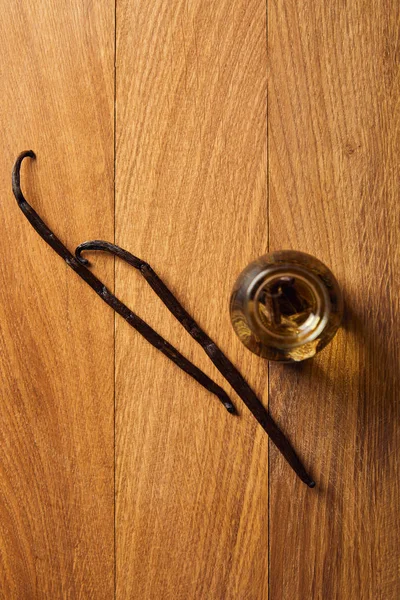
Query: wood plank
(56, 336)
(192, 501)
(333, 171)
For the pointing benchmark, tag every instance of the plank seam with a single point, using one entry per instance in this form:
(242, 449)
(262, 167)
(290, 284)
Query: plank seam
(115, 283)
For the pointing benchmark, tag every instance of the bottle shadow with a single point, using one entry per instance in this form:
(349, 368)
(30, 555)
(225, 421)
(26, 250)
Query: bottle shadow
(348, 395)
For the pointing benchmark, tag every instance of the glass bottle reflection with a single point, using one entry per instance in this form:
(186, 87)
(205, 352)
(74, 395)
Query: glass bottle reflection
(286, 306)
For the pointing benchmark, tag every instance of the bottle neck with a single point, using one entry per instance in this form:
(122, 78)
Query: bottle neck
(287, 305)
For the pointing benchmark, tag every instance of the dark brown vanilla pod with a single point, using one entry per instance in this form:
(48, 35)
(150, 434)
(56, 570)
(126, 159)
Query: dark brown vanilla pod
(136, 322)
(223, 364)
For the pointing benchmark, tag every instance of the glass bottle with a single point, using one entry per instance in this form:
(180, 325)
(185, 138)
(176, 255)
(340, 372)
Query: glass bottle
(286, 306)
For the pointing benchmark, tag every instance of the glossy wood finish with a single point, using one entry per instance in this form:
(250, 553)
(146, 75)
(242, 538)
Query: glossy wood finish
(333, 188)
(212, 165)
(56, 338)
(192, 480)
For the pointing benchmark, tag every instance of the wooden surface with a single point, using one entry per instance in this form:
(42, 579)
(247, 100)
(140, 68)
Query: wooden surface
(56, 338)
(192, 481)
(333, 189)
(196, 134)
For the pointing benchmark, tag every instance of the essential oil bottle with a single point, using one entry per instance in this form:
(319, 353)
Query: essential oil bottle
(286, 306)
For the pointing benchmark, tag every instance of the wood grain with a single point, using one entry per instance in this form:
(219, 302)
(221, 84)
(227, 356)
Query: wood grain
(56, 336)
(198, 515)
(333, 173)
(192, 501)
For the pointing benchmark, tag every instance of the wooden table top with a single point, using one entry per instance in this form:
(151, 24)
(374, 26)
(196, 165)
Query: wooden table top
(197, 135)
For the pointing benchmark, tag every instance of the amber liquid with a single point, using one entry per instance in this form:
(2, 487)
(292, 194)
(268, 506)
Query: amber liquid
(286, 306)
